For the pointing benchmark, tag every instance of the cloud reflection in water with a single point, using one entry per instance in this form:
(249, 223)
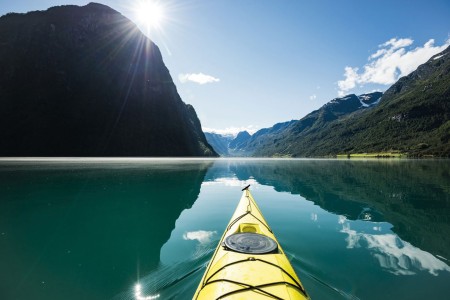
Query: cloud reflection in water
(231, 181)
(202, 236)
(393, 254)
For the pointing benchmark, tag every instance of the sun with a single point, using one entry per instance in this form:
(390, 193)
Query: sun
(150, 14)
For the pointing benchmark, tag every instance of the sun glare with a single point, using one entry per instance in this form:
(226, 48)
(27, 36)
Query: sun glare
(150, 14)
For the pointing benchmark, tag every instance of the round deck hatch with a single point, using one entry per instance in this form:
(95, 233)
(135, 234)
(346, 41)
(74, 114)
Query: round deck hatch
(251, 243)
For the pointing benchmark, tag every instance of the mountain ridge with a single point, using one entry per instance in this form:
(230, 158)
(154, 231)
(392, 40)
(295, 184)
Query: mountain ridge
(412, 117)
(333, 110)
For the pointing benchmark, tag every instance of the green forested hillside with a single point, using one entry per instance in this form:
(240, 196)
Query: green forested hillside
(413, 117)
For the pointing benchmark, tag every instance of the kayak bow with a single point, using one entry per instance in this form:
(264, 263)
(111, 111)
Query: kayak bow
(249, 263)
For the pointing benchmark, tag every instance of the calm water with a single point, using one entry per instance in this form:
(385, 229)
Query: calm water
(96, 229)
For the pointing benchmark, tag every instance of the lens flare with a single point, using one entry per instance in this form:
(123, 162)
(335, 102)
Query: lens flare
(150, 13)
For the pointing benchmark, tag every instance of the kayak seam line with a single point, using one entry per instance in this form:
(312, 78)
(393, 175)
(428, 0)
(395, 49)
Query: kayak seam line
(251, 200)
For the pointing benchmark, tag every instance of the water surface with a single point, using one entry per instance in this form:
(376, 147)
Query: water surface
(143, 229)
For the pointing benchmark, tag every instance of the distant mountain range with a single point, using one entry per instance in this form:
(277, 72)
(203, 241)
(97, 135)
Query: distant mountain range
(84, 81)
(412, 117)
(245, 144)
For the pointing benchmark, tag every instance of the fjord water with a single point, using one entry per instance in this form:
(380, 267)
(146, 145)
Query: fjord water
(145, 229)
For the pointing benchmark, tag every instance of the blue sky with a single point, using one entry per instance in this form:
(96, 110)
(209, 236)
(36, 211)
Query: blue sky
(249, 64)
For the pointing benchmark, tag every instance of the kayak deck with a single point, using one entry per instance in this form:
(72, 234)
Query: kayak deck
(249, 263)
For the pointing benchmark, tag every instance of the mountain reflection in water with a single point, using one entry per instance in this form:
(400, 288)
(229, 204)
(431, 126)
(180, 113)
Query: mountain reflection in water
(347, 235)
(414, 196)
(145, 229)
(87, 229)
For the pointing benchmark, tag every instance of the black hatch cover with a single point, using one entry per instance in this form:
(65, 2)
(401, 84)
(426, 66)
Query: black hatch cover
(251, 243)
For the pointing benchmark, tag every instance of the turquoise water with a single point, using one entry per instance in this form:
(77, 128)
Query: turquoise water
(145, 229)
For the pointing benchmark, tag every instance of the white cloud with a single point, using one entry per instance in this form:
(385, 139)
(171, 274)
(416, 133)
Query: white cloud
(232, 130)
(199, 78)
(351, 77)
(313, 97)
(393, 60)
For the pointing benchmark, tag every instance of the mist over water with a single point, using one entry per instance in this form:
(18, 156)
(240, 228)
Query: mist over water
(146, 228)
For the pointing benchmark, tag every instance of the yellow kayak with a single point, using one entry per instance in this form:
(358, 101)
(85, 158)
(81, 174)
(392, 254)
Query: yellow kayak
(249, 263)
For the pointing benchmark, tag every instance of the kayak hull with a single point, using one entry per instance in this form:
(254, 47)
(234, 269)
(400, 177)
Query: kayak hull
(249, 263)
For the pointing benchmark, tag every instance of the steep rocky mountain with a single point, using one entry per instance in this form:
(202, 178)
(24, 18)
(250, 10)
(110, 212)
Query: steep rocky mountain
(84, 81)
(219, 142)
(260, 137)
(243, 144)
(227, 144)
(333, 110)
(412, 117)
(239, 141)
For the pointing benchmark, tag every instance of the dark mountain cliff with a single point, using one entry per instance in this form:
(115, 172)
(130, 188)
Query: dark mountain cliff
(84, 81)
(412, 117)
